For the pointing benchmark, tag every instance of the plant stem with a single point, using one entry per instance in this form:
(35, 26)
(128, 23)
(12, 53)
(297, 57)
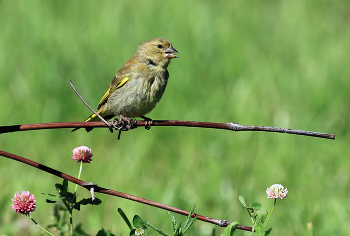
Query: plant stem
(74, 200)
(273, 207)
(40, 226)
(71, 222)
(81, 167)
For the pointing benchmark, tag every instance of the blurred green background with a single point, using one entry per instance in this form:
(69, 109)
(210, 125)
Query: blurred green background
(270, 63)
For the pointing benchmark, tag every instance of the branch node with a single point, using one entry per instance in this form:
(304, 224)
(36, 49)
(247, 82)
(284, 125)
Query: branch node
(91, 186)
(224, 223)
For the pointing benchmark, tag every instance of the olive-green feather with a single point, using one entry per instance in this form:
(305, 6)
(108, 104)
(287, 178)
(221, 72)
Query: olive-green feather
(111, 89)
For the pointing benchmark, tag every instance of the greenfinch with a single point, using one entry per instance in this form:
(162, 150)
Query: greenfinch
(139, 84)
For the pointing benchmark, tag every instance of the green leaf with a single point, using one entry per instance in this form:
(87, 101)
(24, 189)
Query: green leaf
(259, 229)
(263, 217)
(132, 232)
(230, 229)
(268, 232)
(65, 186)
(68, 197)
(257, 215)
(255, 205)
(103, 232)
(50, 194)
(89, 201)
(121, 212)
(76, 206)
(189, 216)
(173, 220)
(155, 229)
(242, 201)
(51, 200)
(59, 188)
(78, 231)
(187, 226)
(178, 230)
(138, 222)
(189, 220)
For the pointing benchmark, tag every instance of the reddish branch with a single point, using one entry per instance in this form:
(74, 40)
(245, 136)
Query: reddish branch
(146, 124)
(228, 126)
(87, 185)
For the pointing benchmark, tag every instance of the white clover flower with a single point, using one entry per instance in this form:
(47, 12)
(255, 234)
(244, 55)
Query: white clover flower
(276, 191)
(139, 232)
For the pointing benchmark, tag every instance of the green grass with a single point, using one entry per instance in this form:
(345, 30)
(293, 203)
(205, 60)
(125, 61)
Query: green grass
(271, 63)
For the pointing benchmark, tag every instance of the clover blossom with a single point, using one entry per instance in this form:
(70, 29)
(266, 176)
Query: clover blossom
(23, 203)
(276, 191)
(82, 154)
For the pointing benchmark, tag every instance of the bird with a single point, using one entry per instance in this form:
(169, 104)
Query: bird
(139, 84)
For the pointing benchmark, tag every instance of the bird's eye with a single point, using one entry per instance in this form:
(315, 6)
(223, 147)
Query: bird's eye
(160, 46)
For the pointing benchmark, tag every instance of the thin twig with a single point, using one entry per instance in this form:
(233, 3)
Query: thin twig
(228, 126)
(87, 185)
(86, 104)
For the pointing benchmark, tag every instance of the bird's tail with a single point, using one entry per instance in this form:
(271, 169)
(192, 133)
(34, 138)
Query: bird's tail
(93, 117)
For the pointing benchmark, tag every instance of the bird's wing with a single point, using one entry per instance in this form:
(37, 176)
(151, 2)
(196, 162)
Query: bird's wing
(116, 83)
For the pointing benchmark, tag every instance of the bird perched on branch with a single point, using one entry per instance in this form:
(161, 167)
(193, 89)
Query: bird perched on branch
(139, 84)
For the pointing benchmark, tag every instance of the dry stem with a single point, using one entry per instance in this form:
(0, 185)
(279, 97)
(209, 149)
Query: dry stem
(88, 185)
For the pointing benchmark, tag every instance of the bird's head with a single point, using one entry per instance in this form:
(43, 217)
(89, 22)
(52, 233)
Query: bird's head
(158, 50)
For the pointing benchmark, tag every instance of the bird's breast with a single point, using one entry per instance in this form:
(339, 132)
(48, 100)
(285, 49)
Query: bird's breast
(139, 95)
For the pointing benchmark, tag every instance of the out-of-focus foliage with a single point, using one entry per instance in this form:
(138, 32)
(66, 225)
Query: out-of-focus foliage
(272, 63)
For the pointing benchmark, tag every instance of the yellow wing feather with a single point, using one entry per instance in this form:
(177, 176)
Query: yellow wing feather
(105, 97)
(110, 90)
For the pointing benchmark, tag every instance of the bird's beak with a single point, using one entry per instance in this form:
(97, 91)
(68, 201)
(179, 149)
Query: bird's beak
(169, 53)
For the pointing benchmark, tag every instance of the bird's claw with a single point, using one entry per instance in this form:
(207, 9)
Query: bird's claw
(148, 122)
(124, 123)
